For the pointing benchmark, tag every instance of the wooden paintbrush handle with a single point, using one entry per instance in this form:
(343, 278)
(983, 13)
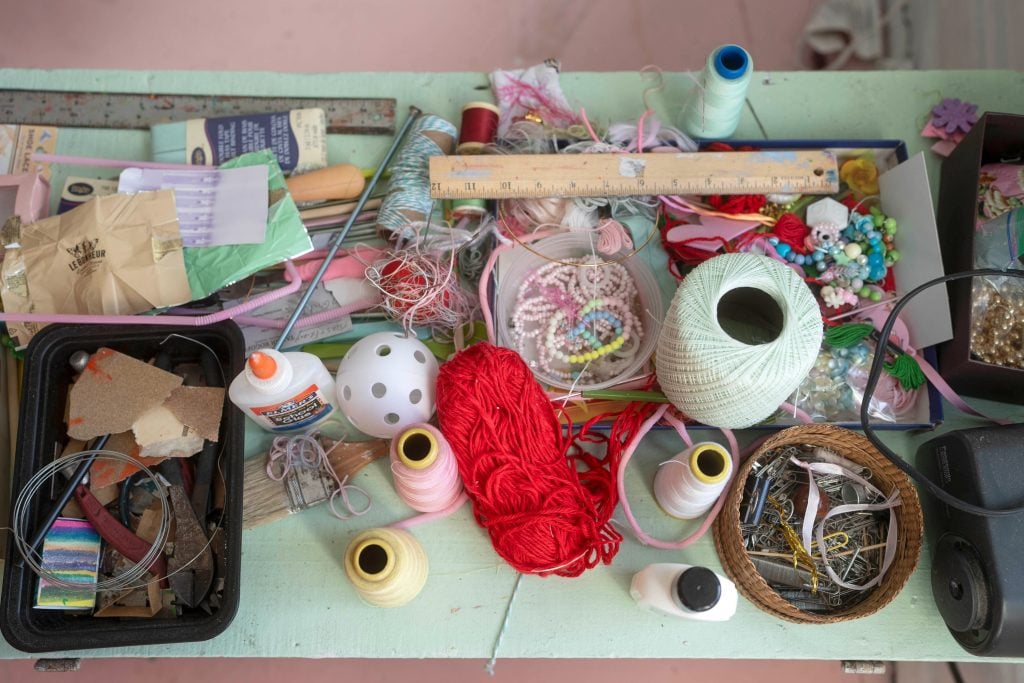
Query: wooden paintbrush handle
(349, 457)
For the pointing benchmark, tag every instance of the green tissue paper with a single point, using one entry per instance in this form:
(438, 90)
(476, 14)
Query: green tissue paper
(211, 268)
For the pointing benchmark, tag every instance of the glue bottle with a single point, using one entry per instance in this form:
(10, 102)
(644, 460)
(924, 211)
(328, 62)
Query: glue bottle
(682, 590)
(284, 391)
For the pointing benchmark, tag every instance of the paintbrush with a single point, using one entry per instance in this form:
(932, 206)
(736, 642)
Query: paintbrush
(266, 500)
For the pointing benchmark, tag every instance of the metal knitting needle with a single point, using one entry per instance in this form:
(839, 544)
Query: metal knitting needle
(65, 495)
(414, 113)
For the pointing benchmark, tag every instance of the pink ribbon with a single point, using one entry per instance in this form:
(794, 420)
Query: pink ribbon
(642, 536)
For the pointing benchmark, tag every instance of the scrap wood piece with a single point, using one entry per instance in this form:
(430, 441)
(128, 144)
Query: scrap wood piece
(160, 434)
(144, 602)
(112, 393)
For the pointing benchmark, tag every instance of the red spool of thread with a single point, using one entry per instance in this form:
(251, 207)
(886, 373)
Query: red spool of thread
(479, 126)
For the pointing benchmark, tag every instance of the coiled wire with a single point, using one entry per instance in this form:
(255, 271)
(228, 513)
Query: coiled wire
(20, 515)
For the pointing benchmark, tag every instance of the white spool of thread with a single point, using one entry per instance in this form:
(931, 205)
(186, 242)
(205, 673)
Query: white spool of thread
(689, 484)
(715, 106)
(741, 334)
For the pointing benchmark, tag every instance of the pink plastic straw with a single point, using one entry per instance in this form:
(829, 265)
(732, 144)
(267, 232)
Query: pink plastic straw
(291, 275)
(310, 320)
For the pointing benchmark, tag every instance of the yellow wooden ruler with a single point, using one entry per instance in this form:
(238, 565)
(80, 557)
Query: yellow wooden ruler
(623, 175)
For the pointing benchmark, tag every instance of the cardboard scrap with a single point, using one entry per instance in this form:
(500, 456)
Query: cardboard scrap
(149, 523)
(112, 393)
(199, 408)
(134, 602)
(160, 434)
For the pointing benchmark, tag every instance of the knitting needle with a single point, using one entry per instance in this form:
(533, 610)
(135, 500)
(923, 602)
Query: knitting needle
(65, 495)
(414, 114)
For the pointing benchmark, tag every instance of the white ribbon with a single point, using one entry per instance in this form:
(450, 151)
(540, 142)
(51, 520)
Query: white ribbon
(813, 498)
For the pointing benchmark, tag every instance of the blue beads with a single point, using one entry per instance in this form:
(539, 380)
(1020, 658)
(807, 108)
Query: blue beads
(783, 249)
(799, 259)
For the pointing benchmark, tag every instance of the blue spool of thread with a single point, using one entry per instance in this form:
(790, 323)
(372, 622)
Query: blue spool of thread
(714, 108)
(731, 61)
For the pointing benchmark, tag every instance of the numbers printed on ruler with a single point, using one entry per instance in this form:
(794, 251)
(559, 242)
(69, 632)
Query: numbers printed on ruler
(602, 175)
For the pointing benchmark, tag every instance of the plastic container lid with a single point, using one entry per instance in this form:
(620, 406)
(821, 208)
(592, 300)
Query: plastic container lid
(698, 589)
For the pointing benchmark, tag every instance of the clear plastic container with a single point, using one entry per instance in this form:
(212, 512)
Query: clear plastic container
(606, 366)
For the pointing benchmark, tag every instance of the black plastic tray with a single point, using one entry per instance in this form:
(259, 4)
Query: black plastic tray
(41, 428)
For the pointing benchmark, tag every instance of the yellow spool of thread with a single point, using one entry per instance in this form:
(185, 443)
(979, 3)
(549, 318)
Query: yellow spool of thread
(387, 567)
(417, 448)
(710, 463)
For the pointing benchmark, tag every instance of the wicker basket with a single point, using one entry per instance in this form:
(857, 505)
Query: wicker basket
(885, 475)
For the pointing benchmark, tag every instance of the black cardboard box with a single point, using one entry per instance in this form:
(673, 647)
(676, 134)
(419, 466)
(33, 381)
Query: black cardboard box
(995, 138)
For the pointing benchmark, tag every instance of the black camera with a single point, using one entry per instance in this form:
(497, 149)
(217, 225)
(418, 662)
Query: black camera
(978, 562)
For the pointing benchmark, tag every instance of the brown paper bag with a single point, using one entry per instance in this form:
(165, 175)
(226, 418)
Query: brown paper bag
(119, 254)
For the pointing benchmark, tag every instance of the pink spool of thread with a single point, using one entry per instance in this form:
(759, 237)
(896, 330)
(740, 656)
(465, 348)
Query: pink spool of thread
(424, 468)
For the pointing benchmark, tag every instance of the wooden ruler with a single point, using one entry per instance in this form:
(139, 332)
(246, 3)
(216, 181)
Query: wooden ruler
(138, 110)
(624, 175)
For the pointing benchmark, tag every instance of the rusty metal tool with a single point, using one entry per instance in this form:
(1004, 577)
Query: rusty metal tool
(190, 567)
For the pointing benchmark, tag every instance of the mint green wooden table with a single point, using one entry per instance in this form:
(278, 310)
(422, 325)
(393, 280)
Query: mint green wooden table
(296, 601)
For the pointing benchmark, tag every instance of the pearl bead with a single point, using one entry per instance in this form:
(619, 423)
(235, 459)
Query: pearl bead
(852, 250)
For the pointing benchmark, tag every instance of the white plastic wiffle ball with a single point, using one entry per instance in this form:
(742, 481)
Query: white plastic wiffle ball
(386, 382)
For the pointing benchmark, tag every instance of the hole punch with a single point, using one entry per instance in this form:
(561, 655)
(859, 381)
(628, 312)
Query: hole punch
(378, 390)
(383, 350)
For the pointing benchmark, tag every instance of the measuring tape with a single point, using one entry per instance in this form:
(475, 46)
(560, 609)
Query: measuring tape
(625, 175)
(140, 111)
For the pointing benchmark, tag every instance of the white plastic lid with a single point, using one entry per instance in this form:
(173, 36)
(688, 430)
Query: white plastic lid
(269, 384)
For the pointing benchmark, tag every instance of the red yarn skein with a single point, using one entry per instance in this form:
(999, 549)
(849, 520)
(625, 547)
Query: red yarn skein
(520, 471)
(793, 231)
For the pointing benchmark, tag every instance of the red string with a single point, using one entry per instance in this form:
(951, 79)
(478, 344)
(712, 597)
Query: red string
(544, 501)
(737, 203)
(679, 251)
(726, 147)
(793, 231)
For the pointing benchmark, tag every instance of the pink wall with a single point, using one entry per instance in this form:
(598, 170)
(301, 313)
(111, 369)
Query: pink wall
(390, 35)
